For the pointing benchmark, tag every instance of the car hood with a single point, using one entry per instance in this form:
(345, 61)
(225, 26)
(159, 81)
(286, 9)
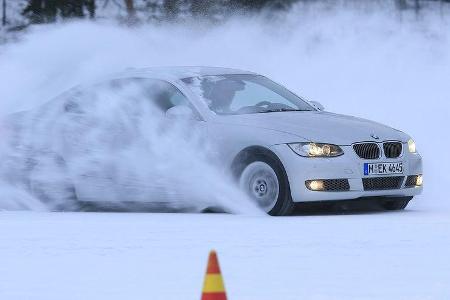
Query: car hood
(318, 126)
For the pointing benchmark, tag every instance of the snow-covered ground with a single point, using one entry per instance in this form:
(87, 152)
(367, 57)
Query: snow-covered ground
(362, 63)
(163, 256)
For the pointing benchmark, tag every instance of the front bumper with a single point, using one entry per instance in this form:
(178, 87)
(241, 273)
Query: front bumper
(348, 166)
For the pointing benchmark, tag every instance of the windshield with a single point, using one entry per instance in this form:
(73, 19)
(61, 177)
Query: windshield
(245, 94)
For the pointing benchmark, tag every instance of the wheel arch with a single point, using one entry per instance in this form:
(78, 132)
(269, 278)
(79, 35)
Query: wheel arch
(260, 153)
(249, 154)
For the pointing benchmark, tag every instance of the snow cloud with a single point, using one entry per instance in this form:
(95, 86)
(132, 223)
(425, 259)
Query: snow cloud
(365, 62)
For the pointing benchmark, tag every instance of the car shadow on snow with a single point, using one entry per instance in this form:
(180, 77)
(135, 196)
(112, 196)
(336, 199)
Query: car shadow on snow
(132, 207)
(342, 207)
(323, 208)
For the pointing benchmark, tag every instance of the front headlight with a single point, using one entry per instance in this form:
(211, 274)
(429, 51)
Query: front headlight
(316, 149)
(412, 146)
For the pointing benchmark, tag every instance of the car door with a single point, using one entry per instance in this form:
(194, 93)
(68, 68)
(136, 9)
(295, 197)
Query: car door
(126, 140)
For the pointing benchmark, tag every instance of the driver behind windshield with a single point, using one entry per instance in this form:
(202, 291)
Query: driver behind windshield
(233, 94)
(221, 94)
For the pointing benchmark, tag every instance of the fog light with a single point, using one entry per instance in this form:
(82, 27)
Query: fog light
(315, 185)
(419, 180)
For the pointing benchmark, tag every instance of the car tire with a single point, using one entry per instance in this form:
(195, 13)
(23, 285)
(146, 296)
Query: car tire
(263, 175)
(49, 183)
(398, 203)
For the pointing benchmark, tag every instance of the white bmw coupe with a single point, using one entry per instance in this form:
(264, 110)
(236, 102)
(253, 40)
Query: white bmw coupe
(281, 148)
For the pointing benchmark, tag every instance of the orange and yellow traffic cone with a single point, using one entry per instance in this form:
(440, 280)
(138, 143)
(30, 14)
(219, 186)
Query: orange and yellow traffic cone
(213, 289)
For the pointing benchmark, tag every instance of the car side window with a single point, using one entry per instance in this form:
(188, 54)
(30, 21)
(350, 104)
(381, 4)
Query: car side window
(163, 95)
(178, 99)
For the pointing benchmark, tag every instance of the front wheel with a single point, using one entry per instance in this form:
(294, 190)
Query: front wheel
(264, 180)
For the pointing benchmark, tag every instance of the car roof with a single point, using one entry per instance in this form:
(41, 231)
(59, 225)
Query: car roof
(180, 72)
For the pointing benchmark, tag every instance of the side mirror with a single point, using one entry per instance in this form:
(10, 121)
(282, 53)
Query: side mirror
(181, 112)
(317, 105)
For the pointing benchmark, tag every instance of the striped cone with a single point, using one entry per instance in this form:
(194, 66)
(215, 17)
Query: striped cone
(213, 288)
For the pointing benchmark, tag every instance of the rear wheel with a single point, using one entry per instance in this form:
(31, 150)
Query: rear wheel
(398, 203)
(48, 181)
(265, 181)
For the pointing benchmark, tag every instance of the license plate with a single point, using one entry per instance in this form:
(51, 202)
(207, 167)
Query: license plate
(383, 168)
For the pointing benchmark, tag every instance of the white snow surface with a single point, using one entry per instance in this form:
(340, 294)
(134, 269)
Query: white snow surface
(50, 256)
(362, 62)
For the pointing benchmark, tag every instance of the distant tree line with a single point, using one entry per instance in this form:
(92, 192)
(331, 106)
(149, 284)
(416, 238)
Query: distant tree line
(48, 11)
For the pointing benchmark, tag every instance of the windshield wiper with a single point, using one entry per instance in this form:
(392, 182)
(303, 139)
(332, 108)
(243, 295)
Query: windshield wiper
(281, 110)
